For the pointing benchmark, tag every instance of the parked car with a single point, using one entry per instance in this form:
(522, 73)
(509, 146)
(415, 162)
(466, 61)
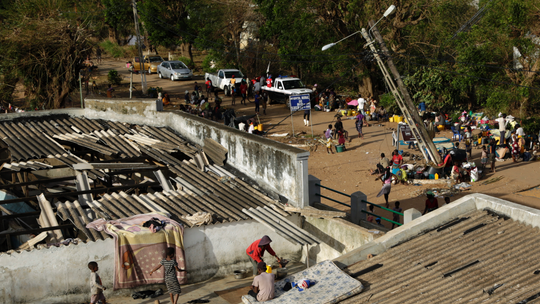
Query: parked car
(151, 63)
(284, 87)
(174, 70)
(222, 80)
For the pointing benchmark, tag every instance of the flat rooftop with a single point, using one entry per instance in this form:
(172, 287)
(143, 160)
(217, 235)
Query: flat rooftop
(477, 257)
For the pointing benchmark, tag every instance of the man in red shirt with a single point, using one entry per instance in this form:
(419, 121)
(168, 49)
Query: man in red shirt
(269, 81)
(255, 251)
(431, 203)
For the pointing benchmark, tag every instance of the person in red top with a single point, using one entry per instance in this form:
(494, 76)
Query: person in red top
(269, 81)
(255, 251)
(431, 203)
(243, 91)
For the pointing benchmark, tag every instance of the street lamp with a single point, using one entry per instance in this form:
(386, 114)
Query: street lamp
(387, 13)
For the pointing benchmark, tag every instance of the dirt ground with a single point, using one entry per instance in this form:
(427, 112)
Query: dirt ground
(348, 172)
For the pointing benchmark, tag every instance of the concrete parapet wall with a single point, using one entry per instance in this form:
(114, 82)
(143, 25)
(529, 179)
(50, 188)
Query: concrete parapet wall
(61, 275)
(339, 237)
(275, 167)
(135, 106)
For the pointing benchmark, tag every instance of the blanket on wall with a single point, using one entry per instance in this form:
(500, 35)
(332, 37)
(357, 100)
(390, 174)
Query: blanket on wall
(139, 249)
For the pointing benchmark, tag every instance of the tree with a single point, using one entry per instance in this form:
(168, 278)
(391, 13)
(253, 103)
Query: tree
(119, 19)
(43, 50)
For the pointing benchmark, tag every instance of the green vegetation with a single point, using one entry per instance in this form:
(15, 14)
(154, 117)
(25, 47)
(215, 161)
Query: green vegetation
(114, 78)
(188, 62)
(447, 58)
(113, 49)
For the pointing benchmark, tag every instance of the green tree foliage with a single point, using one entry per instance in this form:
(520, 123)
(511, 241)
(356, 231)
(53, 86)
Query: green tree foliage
(42, 48)
(118, 15)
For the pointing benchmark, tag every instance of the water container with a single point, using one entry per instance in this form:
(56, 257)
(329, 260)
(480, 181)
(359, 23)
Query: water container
(436, 175)
(260, 127)
(268, 268)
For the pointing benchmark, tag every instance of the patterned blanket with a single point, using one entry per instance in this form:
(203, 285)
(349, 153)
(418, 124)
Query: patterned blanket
(332, 285)
(138, 250)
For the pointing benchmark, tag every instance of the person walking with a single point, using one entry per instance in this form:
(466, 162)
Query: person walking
(171, 280)
(386, 179)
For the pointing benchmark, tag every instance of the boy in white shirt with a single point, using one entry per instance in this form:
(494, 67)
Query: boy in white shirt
(96, 289)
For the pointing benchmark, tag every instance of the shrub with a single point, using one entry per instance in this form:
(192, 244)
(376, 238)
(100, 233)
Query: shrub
(207, 64)
(190, 64)
(388, 101)
(114, 77)
(112, 49)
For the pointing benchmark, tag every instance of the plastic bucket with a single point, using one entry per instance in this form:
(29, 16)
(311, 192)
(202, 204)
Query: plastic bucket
(349, 113)
(260, 127)
(400, 119)
(343, 112)
(339, 148)
(391, 119)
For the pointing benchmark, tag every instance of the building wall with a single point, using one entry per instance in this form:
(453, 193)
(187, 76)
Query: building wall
(339, 236)
(135, 106)
(274, 166)
(61, 275)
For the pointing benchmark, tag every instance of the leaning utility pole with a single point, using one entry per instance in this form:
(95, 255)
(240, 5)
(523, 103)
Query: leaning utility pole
(404, 100)
(141, 59)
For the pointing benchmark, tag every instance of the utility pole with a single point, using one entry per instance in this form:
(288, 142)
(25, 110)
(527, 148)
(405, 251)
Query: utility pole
(404, 100)
(141, 59)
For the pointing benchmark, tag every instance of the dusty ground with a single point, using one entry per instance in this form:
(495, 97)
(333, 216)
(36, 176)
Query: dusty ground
(349, 171)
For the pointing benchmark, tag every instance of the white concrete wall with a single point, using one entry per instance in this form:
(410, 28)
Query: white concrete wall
(275, 167)
(61, 275)
(339, 236)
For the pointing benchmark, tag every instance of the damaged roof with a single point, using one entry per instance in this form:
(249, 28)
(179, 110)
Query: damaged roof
(480, 257)
(193, 184)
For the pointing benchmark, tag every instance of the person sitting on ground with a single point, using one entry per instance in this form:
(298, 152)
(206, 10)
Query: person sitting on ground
(382, 114)
(166, 99)
(456, 173)
(395, 216)
(110, 91)
(431, 203)
(383, 163)
(256, 250)
(263, 284)
(328, 136)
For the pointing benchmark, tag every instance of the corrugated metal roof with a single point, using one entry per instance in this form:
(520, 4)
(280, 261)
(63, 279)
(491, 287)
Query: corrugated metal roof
(457, 263)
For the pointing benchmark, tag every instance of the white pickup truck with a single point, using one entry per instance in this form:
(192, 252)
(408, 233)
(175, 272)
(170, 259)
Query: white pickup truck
(283, 87)
(222, 80)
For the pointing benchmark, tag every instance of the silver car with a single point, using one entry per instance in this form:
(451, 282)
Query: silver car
(174, 70)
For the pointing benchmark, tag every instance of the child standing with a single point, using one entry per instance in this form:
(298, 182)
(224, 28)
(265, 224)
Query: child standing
(328, 135)
(484, 158)
(341, 138)
(171, 267)
(96, 288)
(395, 216)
